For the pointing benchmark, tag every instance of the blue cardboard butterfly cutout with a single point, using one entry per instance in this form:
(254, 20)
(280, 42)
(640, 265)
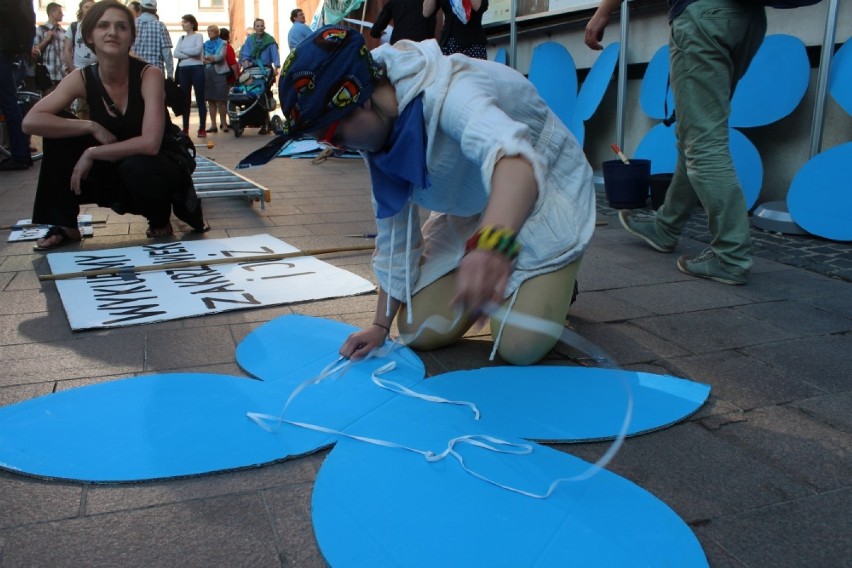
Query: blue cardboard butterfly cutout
(772, 88)
(554, 74)
(373, 504)
(819, 199)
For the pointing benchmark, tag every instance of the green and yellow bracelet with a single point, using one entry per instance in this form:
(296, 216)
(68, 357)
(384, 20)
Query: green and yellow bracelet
(496, 238)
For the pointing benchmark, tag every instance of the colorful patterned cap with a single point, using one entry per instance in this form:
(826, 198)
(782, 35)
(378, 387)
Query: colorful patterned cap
(325, 78)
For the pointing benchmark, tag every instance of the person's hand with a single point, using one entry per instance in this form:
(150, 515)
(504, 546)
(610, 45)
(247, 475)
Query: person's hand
(595, 30)
(81, 171)
(360, 343)
(481, 279)
(101, 134)
(49, 35)
(36, 52)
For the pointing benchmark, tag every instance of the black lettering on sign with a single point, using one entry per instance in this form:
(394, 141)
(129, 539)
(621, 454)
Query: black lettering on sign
(135, 313)
(168, 252)
(232, 253)
(91, 262)
(250, 266)
(106, 292)
(210, 303)
(286, 275)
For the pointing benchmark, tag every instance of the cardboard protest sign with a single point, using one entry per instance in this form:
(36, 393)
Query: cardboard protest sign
(25, 230)
(130, 298)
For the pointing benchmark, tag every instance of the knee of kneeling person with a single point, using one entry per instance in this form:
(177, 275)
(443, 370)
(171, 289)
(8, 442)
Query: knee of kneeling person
(524, 349)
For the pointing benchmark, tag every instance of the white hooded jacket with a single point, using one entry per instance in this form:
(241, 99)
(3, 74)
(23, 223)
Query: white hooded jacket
(477, 112)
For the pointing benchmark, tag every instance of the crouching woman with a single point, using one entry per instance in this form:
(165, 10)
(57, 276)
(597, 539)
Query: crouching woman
(113, 159)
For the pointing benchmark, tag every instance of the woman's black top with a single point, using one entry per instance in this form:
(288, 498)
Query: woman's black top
(129, 125)
(464, 34)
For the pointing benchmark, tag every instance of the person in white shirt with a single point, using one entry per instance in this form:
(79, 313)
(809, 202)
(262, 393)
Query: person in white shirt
(190, 73)
(78, 55)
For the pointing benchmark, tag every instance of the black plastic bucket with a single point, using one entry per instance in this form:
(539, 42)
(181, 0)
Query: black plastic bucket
(659, 186)
(626, 185)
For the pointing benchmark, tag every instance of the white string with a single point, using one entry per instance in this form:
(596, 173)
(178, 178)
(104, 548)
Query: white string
(490, 443)
(503, 326)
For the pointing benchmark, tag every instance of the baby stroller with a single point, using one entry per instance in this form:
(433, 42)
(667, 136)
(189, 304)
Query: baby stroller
(251, 101)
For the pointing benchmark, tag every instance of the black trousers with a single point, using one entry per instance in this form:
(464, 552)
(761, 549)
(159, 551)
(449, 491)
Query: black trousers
(142, 185)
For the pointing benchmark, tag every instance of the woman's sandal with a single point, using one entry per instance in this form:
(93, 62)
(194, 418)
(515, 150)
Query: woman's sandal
(224, 127)
(164, 231)
(55, 231)
(213, 130)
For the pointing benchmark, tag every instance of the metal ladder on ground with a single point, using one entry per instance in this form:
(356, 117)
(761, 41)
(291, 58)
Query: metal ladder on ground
(214, 180)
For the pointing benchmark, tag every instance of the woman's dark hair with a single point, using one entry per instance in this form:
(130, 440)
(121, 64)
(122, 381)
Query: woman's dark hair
(80, 8)
(96, 12)
(191, 19)
(225, 34)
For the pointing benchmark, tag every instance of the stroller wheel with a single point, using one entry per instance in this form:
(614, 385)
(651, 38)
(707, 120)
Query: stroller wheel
(277, 125)
(237, 128)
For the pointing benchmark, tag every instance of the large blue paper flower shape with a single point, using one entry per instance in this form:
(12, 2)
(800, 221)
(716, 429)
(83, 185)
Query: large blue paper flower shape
(376, 505)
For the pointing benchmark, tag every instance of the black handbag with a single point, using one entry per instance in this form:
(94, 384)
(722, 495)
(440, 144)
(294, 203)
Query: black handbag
(179, 147)
(42, 76)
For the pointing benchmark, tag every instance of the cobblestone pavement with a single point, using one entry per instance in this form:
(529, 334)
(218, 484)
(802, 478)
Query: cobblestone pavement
(815, 254)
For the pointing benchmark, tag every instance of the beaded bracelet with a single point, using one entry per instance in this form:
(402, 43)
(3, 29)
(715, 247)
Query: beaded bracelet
(496, 238)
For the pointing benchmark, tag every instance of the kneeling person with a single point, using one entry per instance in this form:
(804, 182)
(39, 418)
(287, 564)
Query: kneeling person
(508, 186)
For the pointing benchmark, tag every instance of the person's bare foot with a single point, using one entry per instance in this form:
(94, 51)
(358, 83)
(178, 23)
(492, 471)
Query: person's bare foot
(164, 231)
(56, 237)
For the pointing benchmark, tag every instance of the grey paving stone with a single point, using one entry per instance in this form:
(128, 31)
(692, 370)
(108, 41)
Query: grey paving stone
(26, 500)
(598, 272)
(790, 284)
(21, 262)
(188, 348)
(833, 410)
(76, 358)
(33, 328)
(812, 532)
(290, 511)
(27, 301)
(799, 317)
(11, 395)
(679, 297)
(835, 303)
(5, 279)
(806, 449)
(717, 556)
(121, 497)
(222, 531)
(743, 381)
(712, 330)
(24, 280)
(698, 474)
(337, 306)
(823, 361)
(626, 343)
(605, 306)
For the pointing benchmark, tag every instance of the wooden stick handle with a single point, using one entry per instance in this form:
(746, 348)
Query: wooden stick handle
(34, 225)
(191, 263)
